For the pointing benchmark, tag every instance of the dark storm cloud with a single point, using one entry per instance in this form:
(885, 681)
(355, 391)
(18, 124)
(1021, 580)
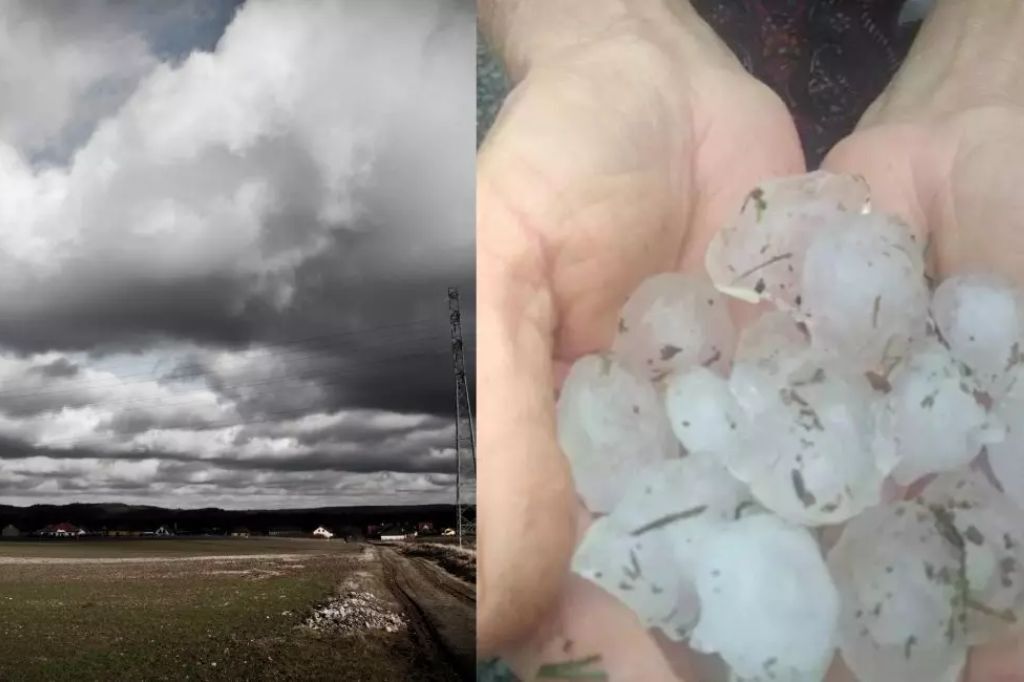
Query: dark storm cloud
(274, 223)
(61, 368)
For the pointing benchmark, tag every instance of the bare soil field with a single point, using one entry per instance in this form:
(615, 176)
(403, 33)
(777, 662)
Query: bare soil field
(230, 609)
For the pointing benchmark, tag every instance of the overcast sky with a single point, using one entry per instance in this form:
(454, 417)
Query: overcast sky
(226, 235)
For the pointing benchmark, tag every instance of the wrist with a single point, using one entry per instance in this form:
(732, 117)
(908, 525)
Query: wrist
(530, 33)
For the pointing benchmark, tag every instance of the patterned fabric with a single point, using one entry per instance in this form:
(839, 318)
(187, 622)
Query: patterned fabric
(826, 59)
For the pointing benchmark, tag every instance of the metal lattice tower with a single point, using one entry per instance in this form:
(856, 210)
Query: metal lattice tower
(465, 438)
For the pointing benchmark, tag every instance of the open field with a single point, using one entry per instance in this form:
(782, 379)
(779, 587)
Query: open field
(229, 609)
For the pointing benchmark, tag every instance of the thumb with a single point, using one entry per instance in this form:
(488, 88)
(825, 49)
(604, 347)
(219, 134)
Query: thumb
(527, 502)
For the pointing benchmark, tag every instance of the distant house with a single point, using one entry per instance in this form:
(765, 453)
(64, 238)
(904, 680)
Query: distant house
(387, 538)
(322, 532)
(164, 531)
(10, 531)
(61, 530)
(425, 528)
(448, 531)
(240, 533)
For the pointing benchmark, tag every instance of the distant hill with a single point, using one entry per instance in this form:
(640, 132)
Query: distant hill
(117, 516)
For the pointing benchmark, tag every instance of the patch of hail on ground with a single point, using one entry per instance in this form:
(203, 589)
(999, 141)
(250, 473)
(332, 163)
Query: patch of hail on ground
(981, 318)
(988, 525)
(634, 568)
(935, 415)
(610, 421)
(900, 573)
(821, 461)
(768, 351)
(768, 604)
(703, 412)
(760, 255)
(674, 321)
(679, 504)
(1006, 458)
(864, 291)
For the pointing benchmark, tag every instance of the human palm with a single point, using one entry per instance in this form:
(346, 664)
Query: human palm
(606, 166)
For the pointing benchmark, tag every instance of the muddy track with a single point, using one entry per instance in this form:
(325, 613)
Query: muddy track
(441, 615)
(444, 580)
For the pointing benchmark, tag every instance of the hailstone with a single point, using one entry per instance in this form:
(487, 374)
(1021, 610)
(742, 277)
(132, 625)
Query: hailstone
(981, 317)
(674, 321)
(899, 569)
(703, 412)
(678, 504)
(1007, 457)
(989, 529)
(768, 351)
(864, 293)
(610, 421)
(935, 415)
(821, 463)
(633, 568)
(768, 604)
(760, 255)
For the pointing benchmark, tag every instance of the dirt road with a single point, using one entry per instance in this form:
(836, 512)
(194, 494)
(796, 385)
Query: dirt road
(441, 610)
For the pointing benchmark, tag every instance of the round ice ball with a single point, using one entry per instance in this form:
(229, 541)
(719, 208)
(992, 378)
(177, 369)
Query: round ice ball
(988, 526)
(674, 321)
(864, 294)
(703, 412)
(935, 414)
(981, 318)
(760, 255)
(679, 504)
(768, 604)
(636, 570)
(822, 464)
(899, 572)
(610, 422)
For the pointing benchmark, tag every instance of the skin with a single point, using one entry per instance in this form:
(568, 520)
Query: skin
(631, 136)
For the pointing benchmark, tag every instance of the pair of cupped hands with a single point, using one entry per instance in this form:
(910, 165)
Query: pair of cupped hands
(632, 134)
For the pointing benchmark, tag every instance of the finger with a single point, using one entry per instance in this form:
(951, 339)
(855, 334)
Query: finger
(587, 623)
(1001, 661)
(526, 498)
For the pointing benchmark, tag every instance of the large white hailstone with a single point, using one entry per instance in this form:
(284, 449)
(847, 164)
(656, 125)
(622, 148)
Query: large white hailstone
(768, 351)
(703, 412)
(864, 293)
(678, 504)
(1007, 457)
(674, 321)
(768, 604)
(610, 422)
(760, 255)
(635, 569)
(900, 573)
(989, 528)
(820, 460)
(935, 415)
(981, 317)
